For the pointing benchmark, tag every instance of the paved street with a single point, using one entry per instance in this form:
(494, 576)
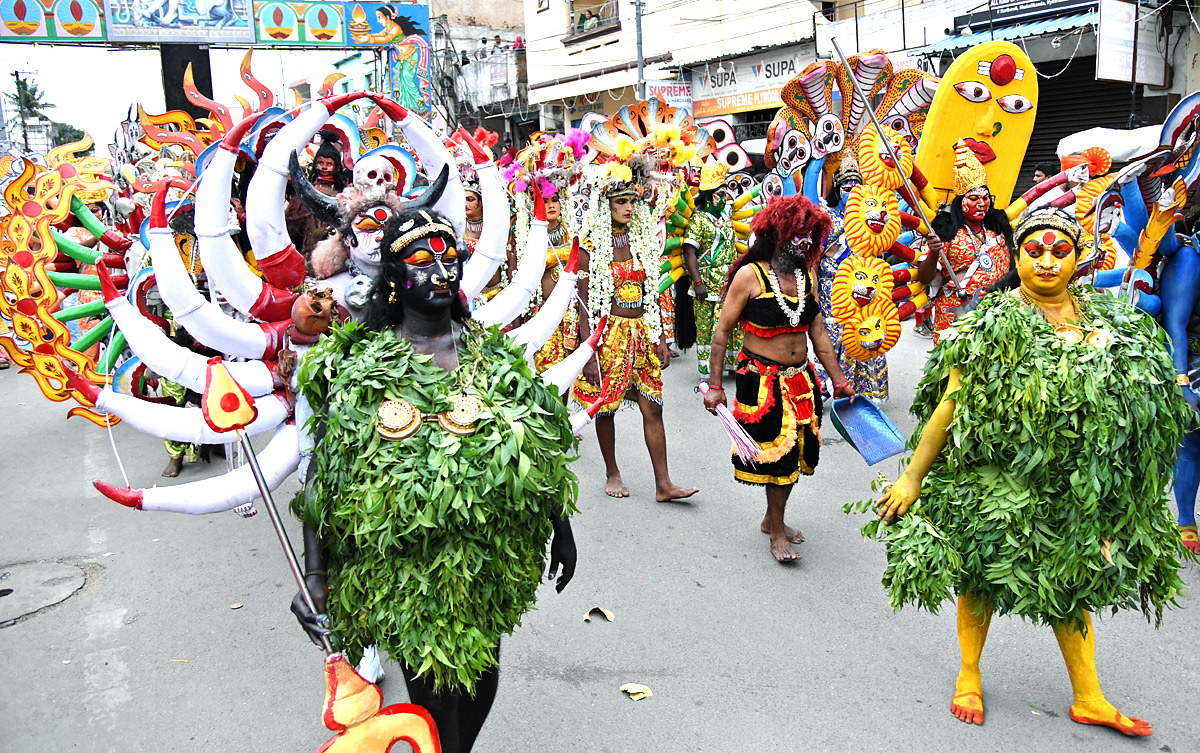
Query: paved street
(742, 654)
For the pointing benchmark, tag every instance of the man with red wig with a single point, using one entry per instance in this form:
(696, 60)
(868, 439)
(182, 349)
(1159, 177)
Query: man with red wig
(777, 399)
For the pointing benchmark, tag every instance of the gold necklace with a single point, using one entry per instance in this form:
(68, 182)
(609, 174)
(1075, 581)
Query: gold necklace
(1028, 301)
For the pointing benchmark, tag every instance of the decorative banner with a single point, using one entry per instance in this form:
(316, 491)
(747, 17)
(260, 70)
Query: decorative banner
(308, 24)
(197, 21)
(751, 82)
(408, 59)
(373, 24)
(50, 21)
(677, 94)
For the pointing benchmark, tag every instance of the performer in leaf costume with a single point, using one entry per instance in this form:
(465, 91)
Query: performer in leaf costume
(1050, 420)
(439, 473)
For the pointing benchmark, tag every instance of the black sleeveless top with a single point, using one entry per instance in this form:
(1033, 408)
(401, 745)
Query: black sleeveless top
(763, 316)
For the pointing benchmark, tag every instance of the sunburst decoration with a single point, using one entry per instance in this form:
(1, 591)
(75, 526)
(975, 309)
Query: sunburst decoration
(875, 161)
(873, 332)
(872, 220)
(858, 283)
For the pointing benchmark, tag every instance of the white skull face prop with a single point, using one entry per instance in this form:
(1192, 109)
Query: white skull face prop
(374, 176)
(368, 232)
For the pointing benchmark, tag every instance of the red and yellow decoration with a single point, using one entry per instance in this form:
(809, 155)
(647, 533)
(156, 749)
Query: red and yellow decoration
(876, 163)
(872, 220)
(873, 331)
(226, 406)
(353, 709)
(858, 283)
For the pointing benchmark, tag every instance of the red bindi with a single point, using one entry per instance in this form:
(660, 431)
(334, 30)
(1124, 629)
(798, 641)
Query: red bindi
(1049, 237)
(1003, 70)
(437, 245)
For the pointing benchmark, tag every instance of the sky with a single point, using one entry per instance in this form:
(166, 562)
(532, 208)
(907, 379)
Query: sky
(92, 88)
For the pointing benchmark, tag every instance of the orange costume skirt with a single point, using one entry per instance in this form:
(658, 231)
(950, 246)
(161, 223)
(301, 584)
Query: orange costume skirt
(779, 408)
(628, 362)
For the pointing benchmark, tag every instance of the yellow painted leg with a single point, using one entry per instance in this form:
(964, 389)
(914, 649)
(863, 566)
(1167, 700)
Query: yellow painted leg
(1090, 707)
(967, 703)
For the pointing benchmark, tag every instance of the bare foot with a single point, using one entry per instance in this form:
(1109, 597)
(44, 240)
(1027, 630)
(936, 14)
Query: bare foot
(967, 703)
(673, 493)
(174, 466)
(791, 534)
(615, 487)
(1102, 713)
(782, 550)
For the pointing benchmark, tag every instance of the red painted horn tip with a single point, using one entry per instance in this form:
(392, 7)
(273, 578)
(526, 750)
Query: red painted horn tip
(124, 495)
(234, 135)
(594, 339)
(573, 262)
(158, 209)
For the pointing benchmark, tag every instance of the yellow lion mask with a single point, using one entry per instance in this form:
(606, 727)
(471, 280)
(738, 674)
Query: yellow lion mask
(859, 282)
(872, 220)
(873, 332)
(875, 161)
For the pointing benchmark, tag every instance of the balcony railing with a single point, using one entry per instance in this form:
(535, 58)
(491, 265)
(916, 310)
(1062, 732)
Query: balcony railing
(588, 18)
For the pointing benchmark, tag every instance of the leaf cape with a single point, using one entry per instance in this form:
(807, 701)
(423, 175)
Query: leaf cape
(435, 543)
(1049, 499)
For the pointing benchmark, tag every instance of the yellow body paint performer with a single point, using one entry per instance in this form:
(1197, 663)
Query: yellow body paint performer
(1041, 517)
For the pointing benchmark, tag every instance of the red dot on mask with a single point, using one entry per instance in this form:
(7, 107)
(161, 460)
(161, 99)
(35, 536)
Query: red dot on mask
(1048, 237)
(230, 403)
(437, 245)
(1004, 70)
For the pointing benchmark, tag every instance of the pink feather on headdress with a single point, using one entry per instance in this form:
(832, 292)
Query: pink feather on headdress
(548, 188)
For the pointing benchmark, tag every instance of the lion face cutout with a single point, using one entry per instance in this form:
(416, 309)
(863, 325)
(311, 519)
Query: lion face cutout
(874, 332)
(859, 282)
(876, 162)
(872, 220)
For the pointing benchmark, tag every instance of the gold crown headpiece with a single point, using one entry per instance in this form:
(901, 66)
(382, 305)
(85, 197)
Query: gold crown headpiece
(412, 231)
(1048, 218)
(713, 174)
(969, 173)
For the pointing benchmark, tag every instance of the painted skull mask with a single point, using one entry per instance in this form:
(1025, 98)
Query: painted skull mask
(368, 232)
(374, 176)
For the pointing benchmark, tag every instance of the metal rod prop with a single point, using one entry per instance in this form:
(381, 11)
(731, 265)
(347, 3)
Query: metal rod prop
(280, 531)
(887, 143)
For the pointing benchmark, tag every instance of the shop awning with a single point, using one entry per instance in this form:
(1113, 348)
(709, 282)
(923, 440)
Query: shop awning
(1014, 32)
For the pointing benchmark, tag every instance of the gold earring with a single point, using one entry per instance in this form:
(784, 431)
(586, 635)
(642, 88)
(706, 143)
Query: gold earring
(392, 296)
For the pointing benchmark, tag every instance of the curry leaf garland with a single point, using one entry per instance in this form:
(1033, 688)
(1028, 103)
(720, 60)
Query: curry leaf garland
(436, 544)
(1050, 497)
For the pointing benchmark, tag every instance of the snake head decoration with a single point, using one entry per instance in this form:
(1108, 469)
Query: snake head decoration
(858, 283)
(872, 220)
(873, 332)
(876, 161)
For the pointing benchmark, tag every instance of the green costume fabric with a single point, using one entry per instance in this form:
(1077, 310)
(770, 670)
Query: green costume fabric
(717, 249)
(436, 543)
(1049, 499)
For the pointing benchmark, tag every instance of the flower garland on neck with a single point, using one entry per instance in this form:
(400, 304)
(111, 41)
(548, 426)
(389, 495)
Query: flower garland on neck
(643, 245)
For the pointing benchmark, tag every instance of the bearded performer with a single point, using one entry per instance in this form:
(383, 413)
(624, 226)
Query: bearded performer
(708, 249)
(976, 236)
(777, 399)
(1050, 421)
(619, 249)
(441, 560)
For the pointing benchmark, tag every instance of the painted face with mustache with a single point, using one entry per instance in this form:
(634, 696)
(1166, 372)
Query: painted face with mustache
(433, 272)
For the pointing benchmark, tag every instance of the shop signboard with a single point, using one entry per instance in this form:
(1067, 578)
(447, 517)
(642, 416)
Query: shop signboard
(677, 94)
(1114, 45)
(751, 82)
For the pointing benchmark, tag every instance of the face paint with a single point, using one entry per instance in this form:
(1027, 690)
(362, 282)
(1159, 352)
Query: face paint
(433, 271)
(975, 205)
(622, 209)
(988, 98)
(368, 231)
(553, 210)
(798, 248)
(325, 167)
(1046, 262)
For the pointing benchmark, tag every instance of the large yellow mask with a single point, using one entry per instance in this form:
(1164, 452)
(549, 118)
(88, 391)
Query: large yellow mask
(858, 283)
(1046, 261)
(872, 220)
(876, 162)
(989, 99)
(873, 332)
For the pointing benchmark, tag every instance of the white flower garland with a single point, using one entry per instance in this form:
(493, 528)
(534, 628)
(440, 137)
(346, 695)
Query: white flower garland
(643, 245)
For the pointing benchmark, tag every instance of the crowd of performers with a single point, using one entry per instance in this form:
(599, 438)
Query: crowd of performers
(402, 306)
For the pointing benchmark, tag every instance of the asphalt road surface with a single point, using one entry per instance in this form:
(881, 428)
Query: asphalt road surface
(742, 654)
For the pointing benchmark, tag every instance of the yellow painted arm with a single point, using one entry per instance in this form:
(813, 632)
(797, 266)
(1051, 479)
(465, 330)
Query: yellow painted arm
(907, 488)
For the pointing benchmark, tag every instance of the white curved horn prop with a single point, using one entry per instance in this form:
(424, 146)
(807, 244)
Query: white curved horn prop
(492, 246)
(184, 424)
(536, 332)
(434, 155)
(167, 359)
(563, 374)
(220, 493)
(203, 319)
(222, 260)
(510, 302)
